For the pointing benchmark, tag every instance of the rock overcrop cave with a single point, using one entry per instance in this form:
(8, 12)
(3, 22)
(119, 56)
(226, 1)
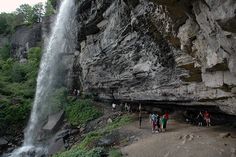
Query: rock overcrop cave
(152, 50)
(175, 50)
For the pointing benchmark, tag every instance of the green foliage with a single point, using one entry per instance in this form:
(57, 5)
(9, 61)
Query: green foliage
(57, 100)
(25, 14)
(17, 88)
(95, 135)
(53, 3)
(34, 14)
(34, 56)
(5, 52)
(90, 138)
(115, 153)
(27, 71)
(18, 73)
(49, 10)
(3, 23)
(8, 22)
(118, 122)
(38, 12)
(26, 11)
(13, 117)
(84, 149)
(76, 152)
(81, 111)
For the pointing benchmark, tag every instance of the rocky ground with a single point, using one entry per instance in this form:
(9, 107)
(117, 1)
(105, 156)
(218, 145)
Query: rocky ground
(180, 140)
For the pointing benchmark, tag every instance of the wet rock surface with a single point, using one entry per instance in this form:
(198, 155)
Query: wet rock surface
(23, 39)
(176, 51)
(109, 140)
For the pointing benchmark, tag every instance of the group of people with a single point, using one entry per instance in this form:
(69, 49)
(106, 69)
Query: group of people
(158, 122)
(201, 117)
(76, 93)
(126, 107)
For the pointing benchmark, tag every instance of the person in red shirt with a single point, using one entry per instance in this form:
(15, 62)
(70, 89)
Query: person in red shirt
(207, 118)
(167, 115)
(164, 120)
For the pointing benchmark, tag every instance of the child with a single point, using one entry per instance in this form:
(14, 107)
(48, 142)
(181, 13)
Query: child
(154, 122)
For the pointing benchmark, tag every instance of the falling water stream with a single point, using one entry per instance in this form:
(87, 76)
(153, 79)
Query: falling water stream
(53, 72)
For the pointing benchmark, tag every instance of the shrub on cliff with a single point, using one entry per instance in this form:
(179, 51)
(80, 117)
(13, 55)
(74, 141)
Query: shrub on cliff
(81, 111)
(17, 88)
(5, 52)
(96, 152)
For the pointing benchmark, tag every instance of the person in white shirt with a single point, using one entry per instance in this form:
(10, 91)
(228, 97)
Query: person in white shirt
(113, 106)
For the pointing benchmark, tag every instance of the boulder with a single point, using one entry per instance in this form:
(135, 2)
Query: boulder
(54, 122)
(3, 142)
(109, 140)
(109, 120)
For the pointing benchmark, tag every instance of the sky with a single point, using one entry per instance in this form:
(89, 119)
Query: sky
(11, 5)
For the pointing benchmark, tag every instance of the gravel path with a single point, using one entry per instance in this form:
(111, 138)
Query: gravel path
(180, 140)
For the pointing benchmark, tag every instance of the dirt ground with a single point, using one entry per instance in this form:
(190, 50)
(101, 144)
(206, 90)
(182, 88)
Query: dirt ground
(180, 140)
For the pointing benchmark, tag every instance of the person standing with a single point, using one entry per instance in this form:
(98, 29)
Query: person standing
(200, 119)
(129, 108)
(75, 92)
(121, 107)
(113, 106)
(126, 107)
(164, 120)
(140, 119)
(207, 119)
(140, 115)
(140, 107)
(158, 123)
(163, 123)
(154, 122)
(167, 115)
(78, 93)
(150, 118)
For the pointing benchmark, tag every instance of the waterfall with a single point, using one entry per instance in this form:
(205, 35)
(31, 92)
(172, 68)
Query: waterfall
(54, 66)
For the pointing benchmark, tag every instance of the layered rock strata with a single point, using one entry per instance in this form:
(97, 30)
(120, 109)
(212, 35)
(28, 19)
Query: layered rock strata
(181, 51)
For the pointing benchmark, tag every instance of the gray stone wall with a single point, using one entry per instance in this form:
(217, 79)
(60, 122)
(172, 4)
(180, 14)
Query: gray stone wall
(180, 51)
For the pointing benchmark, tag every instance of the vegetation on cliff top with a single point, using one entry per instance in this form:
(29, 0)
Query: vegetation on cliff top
(24, 15)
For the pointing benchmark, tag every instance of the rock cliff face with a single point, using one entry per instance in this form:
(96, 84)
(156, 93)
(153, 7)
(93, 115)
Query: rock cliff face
(164, 51)
(24, 38)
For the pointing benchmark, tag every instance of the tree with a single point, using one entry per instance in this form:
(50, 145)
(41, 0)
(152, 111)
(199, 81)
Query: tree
(3, 23)
(13, 20)
(31, 14)
(53, 3)
(48, 8)
(5, 52)
(38, 12)
(26, 11)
